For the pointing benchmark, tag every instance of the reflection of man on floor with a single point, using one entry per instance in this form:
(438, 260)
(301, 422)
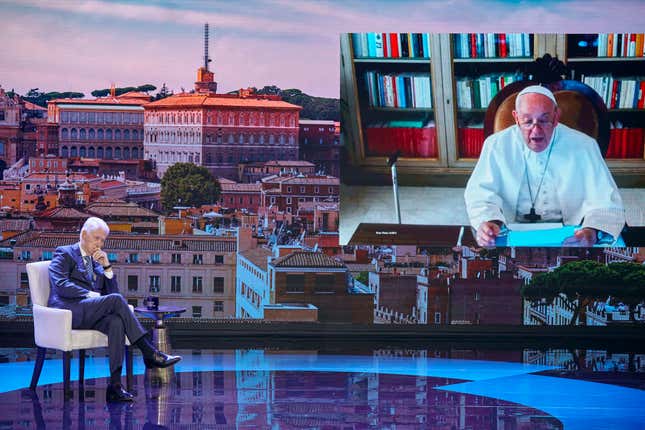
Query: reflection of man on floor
(82, 281)
(542, 171)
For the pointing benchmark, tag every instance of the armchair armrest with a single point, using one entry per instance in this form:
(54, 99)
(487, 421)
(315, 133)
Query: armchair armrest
(52, 327)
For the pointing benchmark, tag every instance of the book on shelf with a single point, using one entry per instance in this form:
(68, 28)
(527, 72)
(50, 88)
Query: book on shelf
(471, 140)
(398, 90)
(413, 138)
(391, 45)
(477, 93)
(626, 143)
(618, 93)
(606, 45)
(492, 45)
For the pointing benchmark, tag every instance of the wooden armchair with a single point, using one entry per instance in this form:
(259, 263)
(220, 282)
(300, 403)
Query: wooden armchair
(581, 108)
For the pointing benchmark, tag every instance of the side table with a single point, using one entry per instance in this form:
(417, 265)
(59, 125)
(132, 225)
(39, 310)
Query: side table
(159, 333)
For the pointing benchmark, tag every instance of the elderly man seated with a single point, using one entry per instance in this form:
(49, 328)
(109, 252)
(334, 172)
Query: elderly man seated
(541, 171)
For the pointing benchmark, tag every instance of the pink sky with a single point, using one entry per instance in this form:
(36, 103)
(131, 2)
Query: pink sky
(84, 45)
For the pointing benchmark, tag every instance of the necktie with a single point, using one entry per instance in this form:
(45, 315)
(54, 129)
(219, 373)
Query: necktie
(88, 266)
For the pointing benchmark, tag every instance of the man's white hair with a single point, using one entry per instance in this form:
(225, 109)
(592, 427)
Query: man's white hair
(94, 223)
(535, 89)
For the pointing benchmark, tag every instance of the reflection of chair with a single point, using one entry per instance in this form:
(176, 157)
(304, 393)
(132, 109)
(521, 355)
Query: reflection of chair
(53, 329)
(581, 108)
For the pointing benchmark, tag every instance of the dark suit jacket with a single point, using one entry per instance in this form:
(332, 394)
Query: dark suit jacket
(70, 282)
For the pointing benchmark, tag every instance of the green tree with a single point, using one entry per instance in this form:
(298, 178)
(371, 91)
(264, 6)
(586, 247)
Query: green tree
(185, 184)
(163, 92)
(101, 93)
(580, 283)
(146, 88)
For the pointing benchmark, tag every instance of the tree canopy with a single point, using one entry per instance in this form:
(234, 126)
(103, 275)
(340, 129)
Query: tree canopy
(312, 107)
(145, 88)
(185, 184)
(585, 281)
(40, 98)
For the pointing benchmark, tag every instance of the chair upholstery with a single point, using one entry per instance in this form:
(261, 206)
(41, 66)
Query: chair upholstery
(53, 327)
(581, 108)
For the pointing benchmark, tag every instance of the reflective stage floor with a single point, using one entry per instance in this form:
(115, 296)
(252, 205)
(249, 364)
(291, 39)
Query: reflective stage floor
(381, 389)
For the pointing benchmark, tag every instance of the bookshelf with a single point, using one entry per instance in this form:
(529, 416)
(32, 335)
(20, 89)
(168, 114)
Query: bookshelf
(442, 140)
(614, 66)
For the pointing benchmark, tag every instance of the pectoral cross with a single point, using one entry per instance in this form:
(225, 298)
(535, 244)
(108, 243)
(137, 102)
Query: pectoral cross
(532, 216)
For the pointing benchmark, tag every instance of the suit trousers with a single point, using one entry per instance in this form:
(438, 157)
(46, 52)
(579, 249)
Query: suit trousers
(111, 315)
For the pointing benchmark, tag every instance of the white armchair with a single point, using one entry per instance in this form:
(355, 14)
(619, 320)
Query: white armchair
(53, 329)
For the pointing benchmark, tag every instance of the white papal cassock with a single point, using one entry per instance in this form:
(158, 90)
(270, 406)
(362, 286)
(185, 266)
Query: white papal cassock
(577, 188)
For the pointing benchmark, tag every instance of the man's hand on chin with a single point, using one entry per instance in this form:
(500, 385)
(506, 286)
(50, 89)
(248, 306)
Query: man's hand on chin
(487, 233)
(584, 237)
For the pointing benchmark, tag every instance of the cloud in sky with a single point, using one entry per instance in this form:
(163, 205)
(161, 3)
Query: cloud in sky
(84, 45)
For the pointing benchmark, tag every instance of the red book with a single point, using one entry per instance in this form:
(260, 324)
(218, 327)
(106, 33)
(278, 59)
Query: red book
(473, 45)
(386, 42)
(394, 91)
(623, 143)
(611, 150)
(394, 45)
(641, 96)
(503, 52)
(614, 94)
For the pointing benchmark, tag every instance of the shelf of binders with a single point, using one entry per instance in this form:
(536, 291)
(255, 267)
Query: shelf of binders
(393, 74)
(482, 65)
(613, 64)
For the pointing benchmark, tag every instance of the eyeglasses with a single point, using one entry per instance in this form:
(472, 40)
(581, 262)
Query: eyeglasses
(528, 125)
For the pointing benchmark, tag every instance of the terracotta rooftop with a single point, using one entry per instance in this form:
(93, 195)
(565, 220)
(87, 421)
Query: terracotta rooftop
(109, 184)
(235, 187)
(133, 242)
(109, 100)
(297, 180)
(63, 213)
(258, 256)
(14, 224)
(289, 163)
(103, 208)
(225, 181)
(202, 100)
(308, 259)
(31, 106)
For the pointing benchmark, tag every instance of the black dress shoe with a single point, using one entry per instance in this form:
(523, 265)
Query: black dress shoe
(116, 393)
(161, 359)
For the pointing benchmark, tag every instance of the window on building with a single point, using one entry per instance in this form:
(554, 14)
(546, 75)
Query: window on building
(155, 258)
(47, 255)
(295, 283)
(133, 258)
(112, 256)
(197, 284)
(176, 259)
(437, 317)
(325, 284)
(24, 280)
(25, 255)
(2, 115)
(219, 259)
(218, 285)
(218, 306)
(175, 284)
(154, 284)
(198, 259)
(288, 200)
(133, 282)
(197, 312)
